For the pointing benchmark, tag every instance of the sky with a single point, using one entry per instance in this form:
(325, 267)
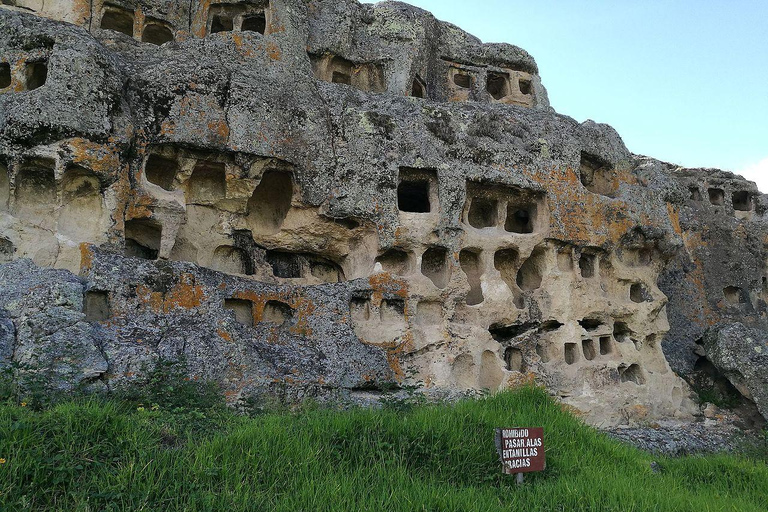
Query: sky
(684, 81)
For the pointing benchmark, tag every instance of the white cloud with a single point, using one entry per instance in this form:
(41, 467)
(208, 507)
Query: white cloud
(758, 173)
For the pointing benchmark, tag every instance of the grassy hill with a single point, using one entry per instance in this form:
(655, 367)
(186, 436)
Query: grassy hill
(119, 455)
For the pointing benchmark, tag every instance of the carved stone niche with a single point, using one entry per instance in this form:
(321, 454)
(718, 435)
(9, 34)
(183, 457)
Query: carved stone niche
(510, 86)
(241, 17)
(367, 76)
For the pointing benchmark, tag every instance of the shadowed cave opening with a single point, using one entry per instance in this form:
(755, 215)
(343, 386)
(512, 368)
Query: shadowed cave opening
(483, 213)
(621, 332)
(526, 86)
(222, 22)
(161, 171)
(519, 220)
(418, 88)
(588, 265)
(606, 347)
(734, 295)
(742, 201)
(462, 79)
(256, 22)
(6, 250)
(360, 309)
(413, 196)
(342, 71)
(270, 203)
(638, 293)
(5, 75)
(118, 20)
(497, 85)
(596, 174)
(35, 186)
(505, 261)
(434, 265)
(716, 196)
(531, 273)
(695, 193)
(392, 310)
(157, 34)
(571, 353)
(36, 74)
(142, 238)
(286, 265)
(590, 324)
(632, 373)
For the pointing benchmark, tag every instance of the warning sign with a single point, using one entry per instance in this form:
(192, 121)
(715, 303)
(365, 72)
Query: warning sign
(521, 449)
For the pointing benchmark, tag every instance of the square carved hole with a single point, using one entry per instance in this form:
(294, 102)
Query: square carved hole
(35, 74)
(497, 85)
(716, 196)
(242, 309)
(418, 88)
(156, 33)
(434, 265)
(222, 22)
(462, 79)
(571, 353)
(285, 264)
(161, 171)
(96, 306)
(742, 201)
(413, 196)
(606, 346)
(483, 213)
(256, 22)
(519, 220)
(142, 238)
(525, 87)
(118, 20)
(588, 265)
(5, 75)
(695, 193)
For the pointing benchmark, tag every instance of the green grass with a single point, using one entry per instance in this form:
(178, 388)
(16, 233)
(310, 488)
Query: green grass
(107, 455)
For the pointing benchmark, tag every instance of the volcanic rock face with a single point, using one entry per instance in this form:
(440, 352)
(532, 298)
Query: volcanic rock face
(327, 197)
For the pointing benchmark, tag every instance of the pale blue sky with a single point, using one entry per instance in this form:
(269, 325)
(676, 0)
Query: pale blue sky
(684, 81)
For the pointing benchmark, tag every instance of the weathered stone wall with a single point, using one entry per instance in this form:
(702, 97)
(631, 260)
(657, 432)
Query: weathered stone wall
(339, 198)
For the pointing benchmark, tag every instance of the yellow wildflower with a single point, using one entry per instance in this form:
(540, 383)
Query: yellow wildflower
(23, 404)
(2, 461)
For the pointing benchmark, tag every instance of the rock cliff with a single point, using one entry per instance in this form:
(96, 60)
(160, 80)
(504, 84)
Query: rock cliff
(320, 197)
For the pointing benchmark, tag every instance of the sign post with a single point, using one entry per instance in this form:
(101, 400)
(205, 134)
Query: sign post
(521, 450)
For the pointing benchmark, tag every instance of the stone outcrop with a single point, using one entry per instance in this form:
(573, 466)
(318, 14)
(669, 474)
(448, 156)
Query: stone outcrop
(741, 354)
(326, 197)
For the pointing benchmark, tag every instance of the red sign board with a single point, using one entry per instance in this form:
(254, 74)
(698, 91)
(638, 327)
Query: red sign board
(521, 449)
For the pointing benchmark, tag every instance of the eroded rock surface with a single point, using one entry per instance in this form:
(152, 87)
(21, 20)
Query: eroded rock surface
(741, 354)
(331, 197)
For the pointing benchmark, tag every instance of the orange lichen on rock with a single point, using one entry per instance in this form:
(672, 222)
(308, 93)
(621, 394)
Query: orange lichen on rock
(185, 295)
